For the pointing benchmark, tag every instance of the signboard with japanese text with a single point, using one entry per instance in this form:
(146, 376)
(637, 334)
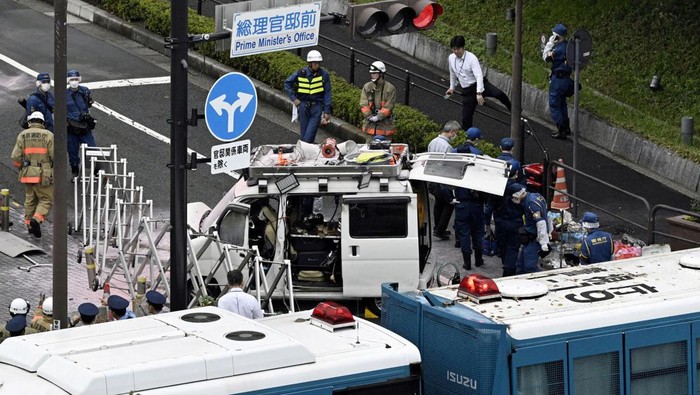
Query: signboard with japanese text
(230, 156)
(275, 29)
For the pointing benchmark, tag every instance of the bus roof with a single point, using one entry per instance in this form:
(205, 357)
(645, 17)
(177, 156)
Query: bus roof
(594, 296)
(192, 346)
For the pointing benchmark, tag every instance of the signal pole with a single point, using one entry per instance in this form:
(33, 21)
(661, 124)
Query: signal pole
(60, 214)
(517, 133)
(178, 43)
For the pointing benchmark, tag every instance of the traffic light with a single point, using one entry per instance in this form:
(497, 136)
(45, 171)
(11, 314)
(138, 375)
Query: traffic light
(388, 17)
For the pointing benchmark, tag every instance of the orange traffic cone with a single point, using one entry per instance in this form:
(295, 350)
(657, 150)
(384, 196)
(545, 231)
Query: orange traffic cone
(560, 201)
(105, 293)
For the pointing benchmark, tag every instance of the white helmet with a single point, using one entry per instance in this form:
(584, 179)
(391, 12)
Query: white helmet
(377, 67)
(19, 306)
(47, 307)
(314, 56)
(35, 117)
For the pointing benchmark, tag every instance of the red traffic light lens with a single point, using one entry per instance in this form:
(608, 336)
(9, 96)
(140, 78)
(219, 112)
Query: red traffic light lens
(427, 16)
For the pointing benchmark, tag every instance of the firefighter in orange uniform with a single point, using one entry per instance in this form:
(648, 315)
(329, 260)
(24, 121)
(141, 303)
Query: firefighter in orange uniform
(33, 155)
(377, 103)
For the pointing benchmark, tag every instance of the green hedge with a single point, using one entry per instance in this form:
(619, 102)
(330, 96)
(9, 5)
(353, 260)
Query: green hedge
(413, 126)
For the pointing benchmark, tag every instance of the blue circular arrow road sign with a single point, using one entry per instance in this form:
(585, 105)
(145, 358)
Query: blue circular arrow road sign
(231, 106)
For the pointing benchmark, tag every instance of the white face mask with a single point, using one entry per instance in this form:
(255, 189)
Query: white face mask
(73, 84)
(46, 86)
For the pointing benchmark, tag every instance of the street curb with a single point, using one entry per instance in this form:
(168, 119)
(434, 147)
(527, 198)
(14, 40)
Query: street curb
(337, 127)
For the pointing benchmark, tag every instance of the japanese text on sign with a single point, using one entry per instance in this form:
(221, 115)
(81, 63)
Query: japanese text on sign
(230, 156)
(275, 29)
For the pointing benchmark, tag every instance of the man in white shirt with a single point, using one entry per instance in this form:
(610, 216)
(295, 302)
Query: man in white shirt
(466, 73)
(237, 301)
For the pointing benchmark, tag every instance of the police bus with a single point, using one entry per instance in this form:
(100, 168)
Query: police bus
(622, 327)
(211, 351)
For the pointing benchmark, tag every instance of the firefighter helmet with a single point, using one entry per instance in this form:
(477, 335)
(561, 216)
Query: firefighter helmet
(19, 306)
(47, 306)
(314, 56)
(36, 116)
(377, 67)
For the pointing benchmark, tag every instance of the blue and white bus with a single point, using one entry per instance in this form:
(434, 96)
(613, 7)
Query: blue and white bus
(211, 351)
(622, 327)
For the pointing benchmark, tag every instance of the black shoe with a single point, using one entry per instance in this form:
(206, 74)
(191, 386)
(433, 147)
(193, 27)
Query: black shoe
(467, 261)
(441, 236)
(458, 244)
(35, 228)
(558, 135)
(478, 258)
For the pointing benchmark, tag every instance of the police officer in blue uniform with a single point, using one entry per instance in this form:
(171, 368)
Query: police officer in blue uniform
(507, 145)
(119, 308)
(508, 218)
(469, 147)
(42, 100)
(309, 89)
(560, 82)
(534, 236)
(469, 226)
(597, 246)
(16, 326)
(80, 122)
(156, 301)
(88, 312)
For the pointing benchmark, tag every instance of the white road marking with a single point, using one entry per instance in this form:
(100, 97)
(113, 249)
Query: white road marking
(127, 82)
(115, 114)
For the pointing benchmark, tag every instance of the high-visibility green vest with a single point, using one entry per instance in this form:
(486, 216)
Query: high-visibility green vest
(309, 85)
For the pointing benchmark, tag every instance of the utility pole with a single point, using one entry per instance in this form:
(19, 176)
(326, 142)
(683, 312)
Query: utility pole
(178, 43)
(516, 131)
(60, 214)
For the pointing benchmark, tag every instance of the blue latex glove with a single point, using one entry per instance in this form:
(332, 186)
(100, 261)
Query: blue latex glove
(373, 118)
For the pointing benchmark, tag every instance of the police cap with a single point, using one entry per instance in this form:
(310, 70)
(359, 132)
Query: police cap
(155, 297)
(514, 188)
(507, 143)
(44, 77)
(16, 324)
(88, 310)
(116, 302)
(560, 29)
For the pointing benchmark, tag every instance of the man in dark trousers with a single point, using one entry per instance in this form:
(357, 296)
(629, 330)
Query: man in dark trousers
(560, 82)
(442, 210)
(80, 122)
(309, 89)
(466, 73)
